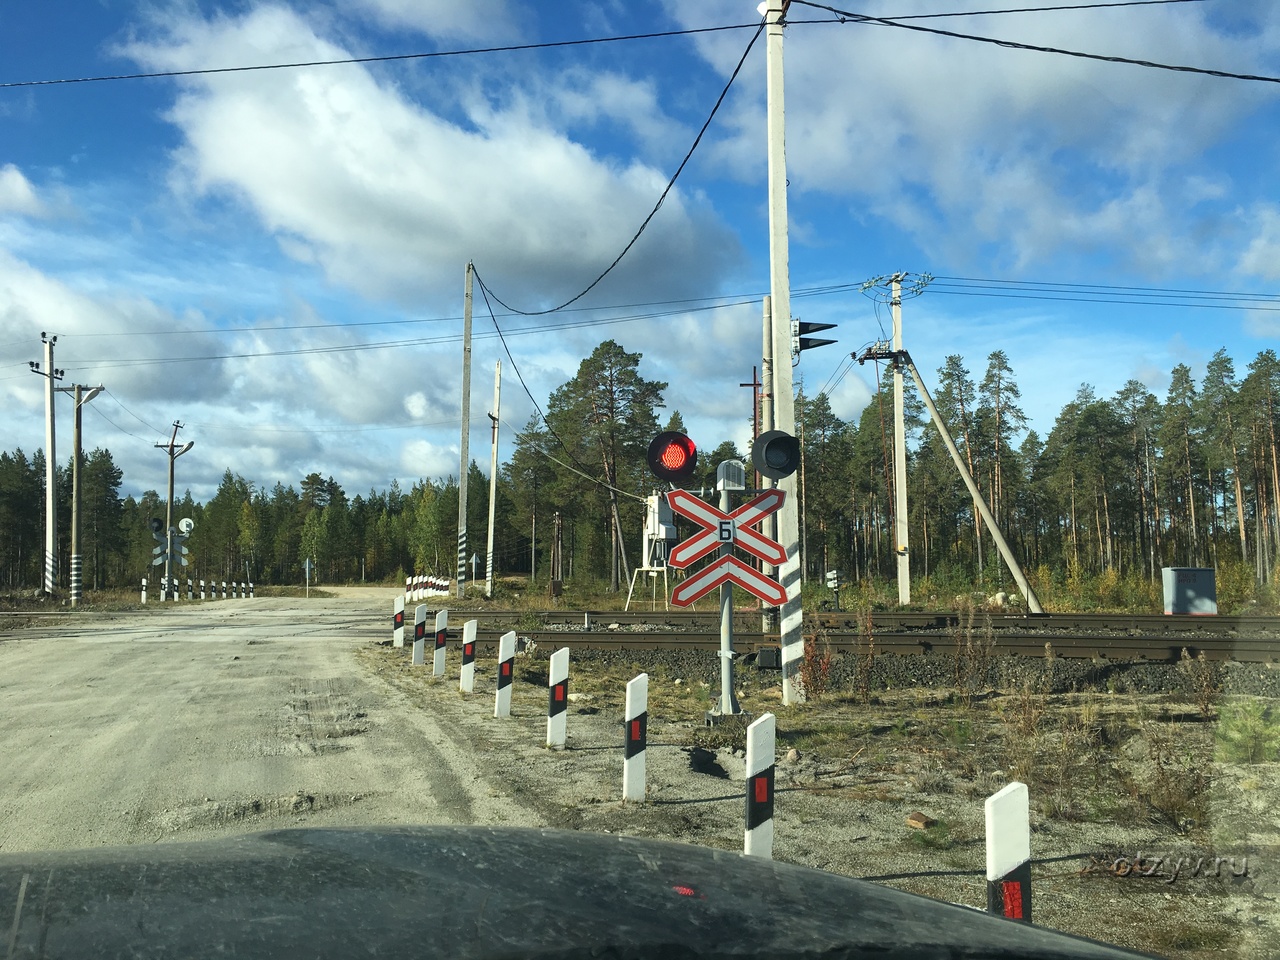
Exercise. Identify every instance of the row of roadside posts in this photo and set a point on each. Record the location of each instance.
(172, 590)
(1008, 822)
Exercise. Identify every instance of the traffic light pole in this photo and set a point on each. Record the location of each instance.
(464, 443)
(784, 413)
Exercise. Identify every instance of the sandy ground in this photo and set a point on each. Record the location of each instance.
(202, 720)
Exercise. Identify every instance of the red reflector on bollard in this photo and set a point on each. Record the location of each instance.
(1012, 899)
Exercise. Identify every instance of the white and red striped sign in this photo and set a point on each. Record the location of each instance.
(719, 528)
(729, 570)
(467, 677)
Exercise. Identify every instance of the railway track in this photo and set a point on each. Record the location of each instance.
(1250, 639)
(1091, 636)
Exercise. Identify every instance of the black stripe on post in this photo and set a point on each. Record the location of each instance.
(441, 636)
(397, 621)
(760, 798)
(419, 630)
(558, 698)
(1010, 896)
(504, 673)
(637, 735)
(468, 653)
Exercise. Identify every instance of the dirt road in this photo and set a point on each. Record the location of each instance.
(216, 718)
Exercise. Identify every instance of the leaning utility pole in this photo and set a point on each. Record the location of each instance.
(50, 375)
(168, 515)
(464, 444)
(493, 477)
(76, 457)
(784, 415)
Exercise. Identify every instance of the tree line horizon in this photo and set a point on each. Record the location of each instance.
(1119, 488)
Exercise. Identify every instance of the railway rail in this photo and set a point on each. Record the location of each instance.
(1250, 639)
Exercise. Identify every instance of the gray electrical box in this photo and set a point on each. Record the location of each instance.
(1190, 590)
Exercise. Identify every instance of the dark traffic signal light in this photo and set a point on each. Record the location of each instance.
(776, 454)
(673, 457)
(801, 342)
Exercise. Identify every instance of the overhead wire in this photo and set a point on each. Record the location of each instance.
(429, 55)
(661, 198)
(846, 16)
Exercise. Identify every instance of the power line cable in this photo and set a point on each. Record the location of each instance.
(436, 54)
(846, 16)
(656, 207)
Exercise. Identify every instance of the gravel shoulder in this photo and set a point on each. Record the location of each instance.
(861, 765)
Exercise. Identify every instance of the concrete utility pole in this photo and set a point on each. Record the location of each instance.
(50, 375)
(464, 444)
(784, 415)
(901, 528)
(493, 477)
(174, 454)
(80, 399)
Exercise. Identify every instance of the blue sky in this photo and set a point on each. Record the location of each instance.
(255, 219)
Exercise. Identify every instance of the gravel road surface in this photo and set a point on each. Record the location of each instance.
(218, 718)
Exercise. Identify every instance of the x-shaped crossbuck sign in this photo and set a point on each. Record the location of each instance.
(719, 528)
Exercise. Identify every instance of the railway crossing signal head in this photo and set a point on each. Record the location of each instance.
(673, 457)
(799, 340)
(776, 454)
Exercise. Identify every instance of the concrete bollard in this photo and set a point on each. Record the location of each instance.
(190, 595)
(397, 623)
(467, 677)
(442, 635)
(419, 635)
(224, 589)
(637, 734)
(506, 674)
(201, 589)
(557, 698)
(1009, 853)
(759, 836)
(144, 591)
(251, 590)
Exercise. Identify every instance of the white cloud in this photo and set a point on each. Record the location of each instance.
(17, 195)
(390, 199)
(450, 19)
(966, 144)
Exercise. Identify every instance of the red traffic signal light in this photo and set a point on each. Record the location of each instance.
(673, 457)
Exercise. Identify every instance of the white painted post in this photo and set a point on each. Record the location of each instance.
(636, 723)
(759, 836)
(250, 591)
(420, 635)
(189, 593)
(467, 678)
(442, 634)
(506, 673)
(201, 589)
(397, 623)
(557, 698)
(224, 589)
(1009, 853)
(144, 591)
